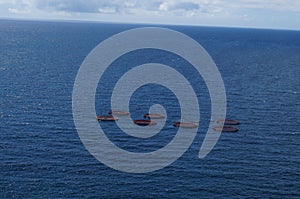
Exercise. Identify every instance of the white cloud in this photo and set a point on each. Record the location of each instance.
(207, 12)
(107, 10)
(175, 5)
(125, 6)
(18, 11)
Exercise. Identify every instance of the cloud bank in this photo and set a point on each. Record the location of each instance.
(265, 13)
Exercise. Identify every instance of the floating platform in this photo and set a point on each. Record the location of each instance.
(118, 113)
(107, 118)
(185, 124)
(226, 129)
(144, 122)
(154, 116)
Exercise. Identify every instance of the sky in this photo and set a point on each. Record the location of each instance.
(275, 14)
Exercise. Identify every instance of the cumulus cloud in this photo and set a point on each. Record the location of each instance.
(173, 5)
(155, 7)
(128, 6)
(21, 6)
(195, 10)
(72, 6)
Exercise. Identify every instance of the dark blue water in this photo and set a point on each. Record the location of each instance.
(41, 152)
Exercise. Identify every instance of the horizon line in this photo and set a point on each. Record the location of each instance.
(144, 23)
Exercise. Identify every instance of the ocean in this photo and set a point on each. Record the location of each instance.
(42, 155)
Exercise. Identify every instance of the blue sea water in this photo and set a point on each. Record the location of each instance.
(42, 155)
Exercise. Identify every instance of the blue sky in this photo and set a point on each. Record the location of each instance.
(279, 14)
